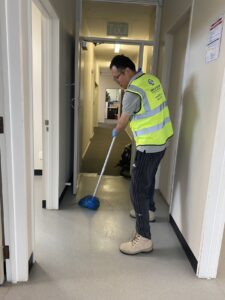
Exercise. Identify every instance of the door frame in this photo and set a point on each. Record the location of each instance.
(141, 44)
(16, 138)
(78, 40)
(18, 179)
(2, 243)
(76, 99)
(2, 165)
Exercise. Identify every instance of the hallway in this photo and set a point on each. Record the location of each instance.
(77, 253)
(98, 149)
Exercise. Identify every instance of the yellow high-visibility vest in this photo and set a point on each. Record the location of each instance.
(151, 125)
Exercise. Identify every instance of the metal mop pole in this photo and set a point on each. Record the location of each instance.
(103, 168)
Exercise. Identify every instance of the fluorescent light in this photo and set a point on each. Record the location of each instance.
(117, 48)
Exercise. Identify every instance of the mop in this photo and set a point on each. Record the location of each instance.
(92, 202)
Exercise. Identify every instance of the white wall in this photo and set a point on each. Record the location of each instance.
(200, 110)
(66, 13)
(37, 86)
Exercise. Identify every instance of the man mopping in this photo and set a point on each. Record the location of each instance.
(145, 108)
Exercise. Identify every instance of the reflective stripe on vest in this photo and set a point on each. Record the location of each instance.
(148, 111)
(151, 129)
(143, 95)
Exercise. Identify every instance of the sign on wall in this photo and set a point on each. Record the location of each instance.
(214, 40)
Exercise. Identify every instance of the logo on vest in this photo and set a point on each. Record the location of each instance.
(150, 81)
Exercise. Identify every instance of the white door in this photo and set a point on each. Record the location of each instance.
(1, 200)
(179, 37)
(50, 102)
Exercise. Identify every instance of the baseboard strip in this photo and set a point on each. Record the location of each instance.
(30, 262)
(187, 249)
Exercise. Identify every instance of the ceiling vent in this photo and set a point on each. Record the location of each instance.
(117, 29)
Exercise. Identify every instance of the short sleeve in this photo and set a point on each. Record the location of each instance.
(131, 103)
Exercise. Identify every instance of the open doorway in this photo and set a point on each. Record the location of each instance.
(95, 60)
(112, 104)
(100, 40)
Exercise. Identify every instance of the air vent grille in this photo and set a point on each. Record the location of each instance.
(117, 29)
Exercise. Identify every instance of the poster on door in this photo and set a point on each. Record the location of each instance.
(214, 40)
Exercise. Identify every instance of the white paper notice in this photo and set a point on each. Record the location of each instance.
(214, 39)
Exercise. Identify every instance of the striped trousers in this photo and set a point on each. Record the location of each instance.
(142, 188)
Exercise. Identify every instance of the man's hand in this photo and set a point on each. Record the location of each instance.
(114, 133)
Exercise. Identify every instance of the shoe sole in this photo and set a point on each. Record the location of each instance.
(134, 253)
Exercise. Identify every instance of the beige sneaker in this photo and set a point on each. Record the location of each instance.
(151, 215)
(137, 245)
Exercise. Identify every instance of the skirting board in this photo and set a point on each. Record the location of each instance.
(187, 249)
(30, 262)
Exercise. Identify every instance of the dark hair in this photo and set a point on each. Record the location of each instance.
(122, 62)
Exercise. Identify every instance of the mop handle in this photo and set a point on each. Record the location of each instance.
(103, 168)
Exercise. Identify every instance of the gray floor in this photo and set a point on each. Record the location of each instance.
(77, 253)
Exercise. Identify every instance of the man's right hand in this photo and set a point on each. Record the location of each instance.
(114, 133)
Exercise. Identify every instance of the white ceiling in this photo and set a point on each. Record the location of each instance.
(96, 15)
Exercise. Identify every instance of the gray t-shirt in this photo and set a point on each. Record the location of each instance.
(131, 105)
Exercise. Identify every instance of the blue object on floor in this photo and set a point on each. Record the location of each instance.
(90, 202)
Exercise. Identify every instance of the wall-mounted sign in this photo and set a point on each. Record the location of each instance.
(214, 40)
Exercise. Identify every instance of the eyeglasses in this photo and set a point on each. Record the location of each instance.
(117, 76)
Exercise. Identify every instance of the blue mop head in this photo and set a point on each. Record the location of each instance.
(90, 202)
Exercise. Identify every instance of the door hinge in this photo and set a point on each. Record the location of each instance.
(6, 252)
(1, 125)
(43, 203)
(46, 125)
